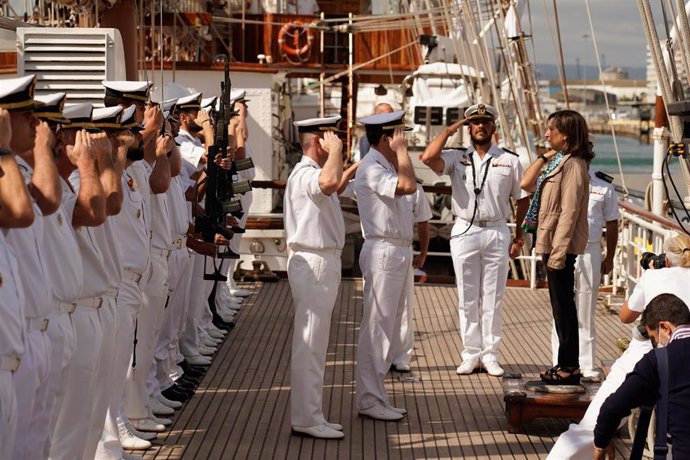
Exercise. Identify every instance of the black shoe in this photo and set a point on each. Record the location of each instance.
(189, 379)
(220, 324)
(186, 387)
(193, 373)
(174, 395)
(192, 370)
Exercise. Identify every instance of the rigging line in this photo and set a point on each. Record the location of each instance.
(606, 97)
(676, 86)
(564, 78)
(561, 70)
(684, 33)
(454, 40)
(472, 52)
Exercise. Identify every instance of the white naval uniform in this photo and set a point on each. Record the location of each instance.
(421, 212)
(131, 227)
(12, 336)
(155, 293)
(61, 252)
(176, 310)
(386, 263)
(315, 233)
(74, 418)
(602, 208)
(480, 255)
(33, 373)
(578, 441)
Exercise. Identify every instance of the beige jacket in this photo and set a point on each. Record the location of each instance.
(562, 227)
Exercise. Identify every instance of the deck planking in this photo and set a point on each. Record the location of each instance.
(242, 408)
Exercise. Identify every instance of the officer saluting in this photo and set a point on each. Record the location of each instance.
(483, 178)
(384, 176)
(315, 232)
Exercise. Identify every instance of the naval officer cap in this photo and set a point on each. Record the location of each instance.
(51, 108)
(209, 103)
(18, 93)
(169, 110)
(128, 118)
(317, 125)
(385, 122)
(78, 115)
(129, 91)
(191, 102)
(108, 118)
(481, 112)
(238, 95)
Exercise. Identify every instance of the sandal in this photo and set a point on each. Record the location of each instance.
(558, 375)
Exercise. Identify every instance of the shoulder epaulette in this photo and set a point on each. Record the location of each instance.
(23, 168)
(420, 181)
(509, 151)
(604, 176)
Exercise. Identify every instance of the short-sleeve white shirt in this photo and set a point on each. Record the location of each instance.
(191, 148)
(503, 175)
(383, 213)
(131, 224)
(672, 280)
(421, 211)
(603, 206)
(312, 219)
(12, 326)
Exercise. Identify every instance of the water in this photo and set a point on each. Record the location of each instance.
(636, 157)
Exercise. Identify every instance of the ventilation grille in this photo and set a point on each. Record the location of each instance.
(74, 61)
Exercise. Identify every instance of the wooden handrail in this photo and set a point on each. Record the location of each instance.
(649, 215)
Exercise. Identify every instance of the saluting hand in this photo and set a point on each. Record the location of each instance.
(331, 143)
(153, 116)
(45, 137)
(125, 139)
(163, 145)
(100, 146)
(399, 140)
(5, 129)
(202, 117)
(452, 129)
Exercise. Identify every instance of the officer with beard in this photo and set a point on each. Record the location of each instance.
(483, 178)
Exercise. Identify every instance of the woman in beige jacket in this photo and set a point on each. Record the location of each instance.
(558, 214)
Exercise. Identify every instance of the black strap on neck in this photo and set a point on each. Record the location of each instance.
(477, 191)
(660, 445)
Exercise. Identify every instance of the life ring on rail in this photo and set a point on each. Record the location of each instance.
(295, 29)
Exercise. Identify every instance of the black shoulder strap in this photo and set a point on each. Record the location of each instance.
(640, 440)
(660, 446)
(510, 151)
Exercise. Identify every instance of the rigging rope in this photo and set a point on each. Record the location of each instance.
(606, 97)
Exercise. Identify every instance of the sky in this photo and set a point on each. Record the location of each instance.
(617, 27)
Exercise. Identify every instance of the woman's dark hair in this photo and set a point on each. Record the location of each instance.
(665, 307)
(574, 128)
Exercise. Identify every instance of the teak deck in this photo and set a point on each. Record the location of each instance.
(242, 408)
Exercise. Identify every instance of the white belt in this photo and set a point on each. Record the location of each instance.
(483, 223)
(162, 252)
(396, 241)
(37, 324)
(181, 243)
(90, 302)
(68, 307)
(298, 248)
(132, 276)
(9, 363)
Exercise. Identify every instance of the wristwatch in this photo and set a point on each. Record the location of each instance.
(543, 158)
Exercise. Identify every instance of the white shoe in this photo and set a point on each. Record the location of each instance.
(207, 351)
(226, 317)
(129, 441)
(493, 369)
(233, 307)
(145, 424)
(334, 426)
(239, 292)
(380, 412)
(146, 435)
(198, 360)
(399, 410)
(402, 367)
(214, 334)
(467, 367)
(208, 342)
(161, 420)
(158, 408)
(318, 431)
(169, 403)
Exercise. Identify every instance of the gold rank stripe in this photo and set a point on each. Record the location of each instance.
(135, 96)
(17, 105)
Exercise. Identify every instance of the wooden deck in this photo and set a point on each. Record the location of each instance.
(242, 408)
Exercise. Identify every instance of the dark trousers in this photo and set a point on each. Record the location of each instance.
(562, 294)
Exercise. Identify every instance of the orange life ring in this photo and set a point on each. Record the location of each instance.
(295, 29)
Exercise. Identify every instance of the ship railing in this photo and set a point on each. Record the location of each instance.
(639, 231)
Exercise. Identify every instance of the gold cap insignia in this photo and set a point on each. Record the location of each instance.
(481, 110)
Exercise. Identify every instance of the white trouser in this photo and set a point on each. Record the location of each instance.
(480, 260)
(129, 300)
(403, 353)
(587, 279)
(30, 380)
(385, 268)
(577, 443)
(314, 281)
(103, 381)
(246, 201)
(8, 413)
(78, 387)
(175, 315)
(149, 322)
(63, 343)
(189, 340)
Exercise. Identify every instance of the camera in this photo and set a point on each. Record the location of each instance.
(656, 261)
